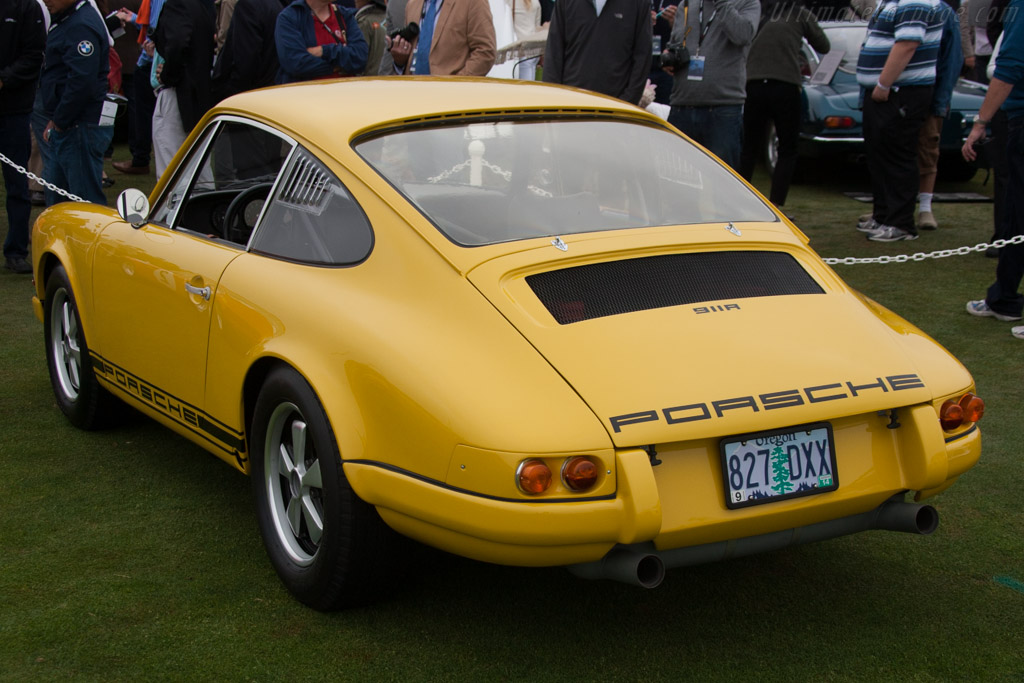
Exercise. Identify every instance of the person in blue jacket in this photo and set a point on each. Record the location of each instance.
(1003, 301)
(73, 89)
(318, 39)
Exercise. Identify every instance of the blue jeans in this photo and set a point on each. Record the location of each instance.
(75, 162)
(719, 128)
(16, 146)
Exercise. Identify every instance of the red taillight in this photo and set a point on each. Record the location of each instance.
(579, 473)
(838, 122)
(533, 477)
(953, 414)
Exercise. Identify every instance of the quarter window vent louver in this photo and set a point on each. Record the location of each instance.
(602, 289)
(307, 187)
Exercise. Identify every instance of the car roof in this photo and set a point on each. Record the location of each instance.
(343, 108)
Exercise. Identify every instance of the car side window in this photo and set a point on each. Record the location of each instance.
(313, 219)
(223, 186)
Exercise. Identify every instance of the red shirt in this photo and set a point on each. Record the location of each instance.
(329, 33)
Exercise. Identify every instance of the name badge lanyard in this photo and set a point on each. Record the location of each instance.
(341, 36)
(704, 29)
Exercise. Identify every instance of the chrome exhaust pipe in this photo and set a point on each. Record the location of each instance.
(627, 566)
(912, 518)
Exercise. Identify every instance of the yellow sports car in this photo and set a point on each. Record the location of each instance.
(521, 323)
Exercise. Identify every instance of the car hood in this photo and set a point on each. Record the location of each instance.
(723, 365)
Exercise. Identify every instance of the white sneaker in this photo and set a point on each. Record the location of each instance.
(869, 226)
(890, 233)
(980, 308)
(1018, 331)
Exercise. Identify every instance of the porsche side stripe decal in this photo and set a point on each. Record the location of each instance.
(185, 414)
(475, 494)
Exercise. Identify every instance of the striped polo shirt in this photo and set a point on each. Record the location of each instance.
(899, 20)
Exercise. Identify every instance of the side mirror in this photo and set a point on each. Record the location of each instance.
(133, 206)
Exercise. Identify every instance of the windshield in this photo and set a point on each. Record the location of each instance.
(482, 183)
(848, 38)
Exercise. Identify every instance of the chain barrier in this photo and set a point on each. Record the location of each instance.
(846, 261)
(32, 176)
(924, 256)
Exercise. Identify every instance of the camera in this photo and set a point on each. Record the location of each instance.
(408, 33)
(675, 56)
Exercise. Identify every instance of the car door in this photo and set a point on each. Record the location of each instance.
(156, 284)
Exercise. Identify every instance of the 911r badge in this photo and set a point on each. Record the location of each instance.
(559, 244)
(85, 48)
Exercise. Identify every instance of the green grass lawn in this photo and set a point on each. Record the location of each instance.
(133, 554)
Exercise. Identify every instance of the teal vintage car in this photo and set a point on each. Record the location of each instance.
(830, 123)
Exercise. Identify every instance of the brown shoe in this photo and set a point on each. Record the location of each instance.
(126, 167)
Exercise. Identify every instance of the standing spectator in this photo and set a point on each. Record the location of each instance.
(456, 39)
(600, 45)
(394, 20)
(141, 141)
(128, 49)
(664, 13)
(773, 88)
(709, 91)
(225, 9)
(248, 59)
(1003, 300)
(370, 16)
(527, 24)
(947, 70)
(184, 39)
(318, 39)
(22, 41)
(896, 70)
(73, 89)
(978, 15)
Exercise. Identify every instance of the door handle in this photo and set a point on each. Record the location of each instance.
(198, 291)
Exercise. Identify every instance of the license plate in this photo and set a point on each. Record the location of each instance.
(784, 463)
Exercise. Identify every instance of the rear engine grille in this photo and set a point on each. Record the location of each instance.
(597, 290)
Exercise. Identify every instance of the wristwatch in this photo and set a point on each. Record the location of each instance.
(984, 122)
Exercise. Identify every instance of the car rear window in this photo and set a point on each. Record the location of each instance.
(497, 181)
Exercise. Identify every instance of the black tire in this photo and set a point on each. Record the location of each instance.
(80, 397)
(327, 545)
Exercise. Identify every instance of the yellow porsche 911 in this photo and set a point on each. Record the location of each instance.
(518, 322)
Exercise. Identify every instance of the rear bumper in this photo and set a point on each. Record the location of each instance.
(677, 507)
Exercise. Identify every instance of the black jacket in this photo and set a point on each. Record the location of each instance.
(74, 84)
(22, 41)
(609, 54)
(248, 59)
(184, 37)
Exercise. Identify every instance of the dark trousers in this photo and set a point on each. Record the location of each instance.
(718, 127)
(776, 102)
(1003, 296)
(890, 140)
(140, 137)
(16, 145)
(996, 150)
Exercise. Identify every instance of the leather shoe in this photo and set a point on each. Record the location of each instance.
(19, 265)
(126, 167)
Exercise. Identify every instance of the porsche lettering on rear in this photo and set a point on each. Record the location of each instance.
(788, 398)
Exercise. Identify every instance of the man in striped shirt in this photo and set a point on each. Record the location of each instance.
(896, 70)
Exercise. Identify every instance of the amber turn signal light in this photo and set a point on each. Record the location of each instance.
(973, 407)
(533, 477)
(579, 473)
(952, 414)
